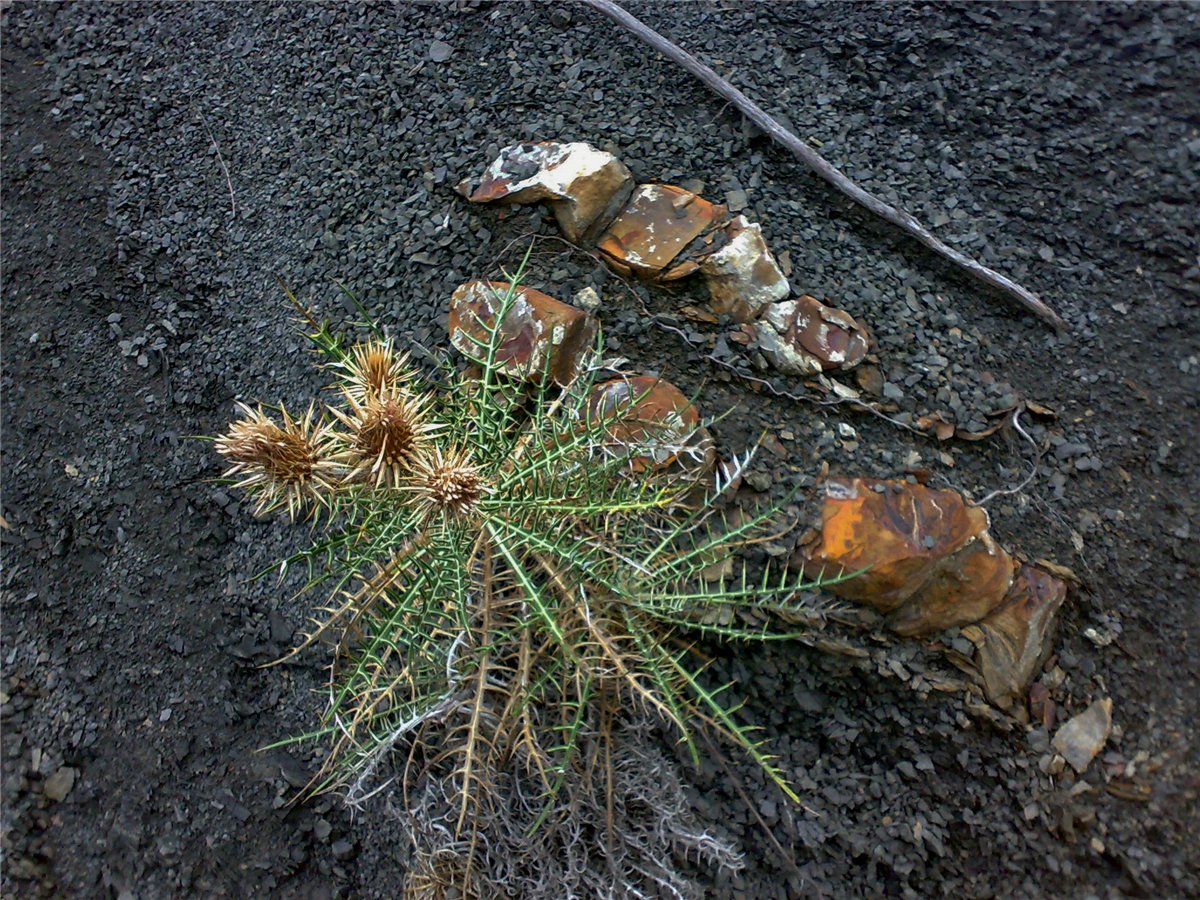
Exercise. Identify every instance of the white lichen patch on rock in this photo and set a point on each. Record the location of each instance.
(743, 276)
(584, 186)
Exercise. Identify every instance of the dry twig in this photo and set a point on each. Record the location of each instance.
(221, 160)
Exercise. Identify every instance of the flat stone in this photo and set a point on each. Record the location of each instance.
(59, 784)
(538, 334)
(924, 557)
(653, 423)
(1085, 735)
(663, 233)
(1016, 635)
(963, 588)
(884, 533)
(736, 200)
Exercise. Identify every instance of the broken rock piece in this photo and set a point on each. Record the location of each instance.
(585, 187)
(806, 337)
(963, 588)
(742, 275)
(1085, 735)
(925, 556)
(538, 334)
(897, 532)
(1016, 636)
(662, 233)
(651, 422)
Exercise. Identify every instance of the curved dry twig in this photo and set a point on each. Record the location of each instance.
(826, 170)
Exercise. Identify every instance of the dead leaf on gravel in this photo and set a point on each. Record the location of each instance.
(698, 315)
(1085, 735)
(935, 424)
(1040, 410)
(1064, 572)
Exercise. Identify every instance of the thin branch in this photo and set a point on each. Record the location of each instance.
(221, 160)
(785, 138)
(788, 860)
(1037, 460)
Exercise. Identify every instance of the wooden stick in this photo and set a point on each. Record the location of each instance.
(823, 168)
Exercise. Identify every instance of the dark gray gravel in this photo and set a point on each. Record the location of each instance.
(163, 164)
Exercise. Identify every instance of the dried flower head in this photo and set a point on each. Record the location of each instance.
(374, 370)
(287, 465)
(446, 482)
(387, 435)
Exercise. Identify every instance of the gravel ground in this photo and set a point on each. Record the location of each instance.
(163, 164)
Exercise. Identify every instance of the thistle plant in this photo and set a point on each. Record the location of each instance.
(507, 589)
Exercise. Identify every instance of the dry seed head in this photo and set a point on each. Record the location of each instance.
(287, 465)
(447, 482)
(374, 370)
(387, 435)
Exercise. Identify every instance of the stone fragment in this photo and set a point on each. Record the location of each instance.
(927, 562)
(537, 335)
(805, 337)
(963, 588)
(896, 531)
(653, 423)
(742, 275)
(1085, 735)
(58, 785)
(925, 557)
(1016, 635)
(585, 187)
(662, 233)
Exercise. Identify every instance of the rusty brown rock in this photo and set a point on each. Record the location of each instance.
(1016, 636)
(653, 423)
(538, 334)
(663, 233)
(805, 337)
(898, 532)
(963, 588)
(585, 187)
(742, 275)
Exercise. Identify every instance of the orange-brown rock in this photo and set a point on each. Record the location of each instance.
(538, 334)
(663, 232)
(897, 532)
(925, 556)
(585, 187)
(1016, 635)
(962, 588)
(651, 422)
